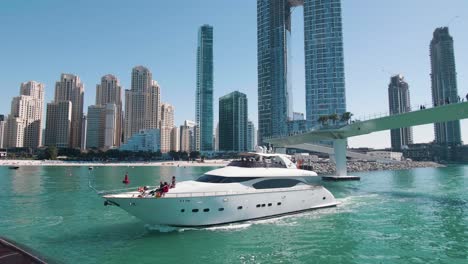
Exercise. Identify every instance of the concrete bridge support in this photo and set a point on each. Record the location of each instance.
(339, 146)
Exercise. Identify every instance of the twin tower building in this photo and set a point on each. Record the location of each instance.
(324, 63)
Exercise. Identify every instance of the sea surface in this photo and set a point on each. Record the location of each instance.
(408, 216)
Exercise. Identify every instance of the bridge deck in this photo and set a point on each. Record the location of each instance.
(445, 113)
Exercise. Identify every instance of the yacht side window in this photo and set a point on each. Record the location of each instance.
(276, 183)
(220, 179)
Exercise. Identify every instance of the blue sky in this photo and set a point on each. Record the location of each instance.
(41, 39)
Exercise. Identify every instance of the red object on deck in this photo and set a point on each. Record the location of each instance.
(126, 180)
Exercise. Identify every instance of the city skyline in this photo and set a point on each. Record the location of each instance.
(358, 102)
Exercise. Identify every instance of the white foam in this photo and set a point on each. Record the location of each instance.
(229, 227)
(162, 228)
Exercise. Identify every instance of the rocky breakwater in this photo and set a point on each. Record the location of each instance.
(328, 168)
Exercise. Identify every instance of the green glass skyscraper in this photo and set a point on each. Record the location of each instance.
(233, 122)
(204, 94)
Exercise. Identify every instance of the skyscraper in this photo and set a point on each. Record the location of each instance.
(58, 124)
(251, 136)
(110, 92)
(233, 122)
(324, 63)
(113, 118)
(142, 103)
(2, 131)
(399, 102)
(444, 84)
(95, 131)
(204, 93)
(70, 88)
(175, 143)
(24, 123)
(167, 124)
(187, 136)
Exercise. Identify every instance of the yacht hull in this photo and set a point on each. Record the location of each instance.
(222, 209)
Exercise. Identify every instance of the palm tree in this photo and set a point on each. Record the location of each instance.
(333, 117)
(346, 117)
(323, 119)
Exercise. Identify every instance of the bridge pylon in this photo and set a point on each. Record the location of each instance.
(339, 147)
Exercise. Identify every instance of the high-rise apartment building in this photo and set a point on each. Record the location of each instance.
(2, 131)
(84, 129)
(444, 84)
(25, 120)
(95, 131)
(15, 132)
(58, 124)
(324, 63)
(175, 143)
(167, 124)
(113, 119)
(216, 143)
(70, 88)
(204, 92)
(33, 130)
(399, 102)
(142, 103)
(251, 136)
(233, 122)
(110, 92)
(187, 136)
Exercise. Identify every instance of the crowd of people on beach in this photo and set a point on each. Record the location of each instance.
(164, 188)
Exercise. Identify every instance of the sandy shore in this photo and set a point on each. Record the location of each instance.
(20, 163)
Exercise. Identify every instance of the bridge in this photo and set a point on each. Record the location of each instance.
(443, 113)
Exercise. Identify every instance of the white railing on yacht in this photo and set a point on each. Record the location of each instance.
(133, 193)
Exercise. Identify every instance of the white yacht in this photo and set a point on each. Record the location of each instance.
(256, 186)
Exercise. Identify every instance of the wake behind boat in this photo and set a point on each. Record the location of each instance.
(257, 186)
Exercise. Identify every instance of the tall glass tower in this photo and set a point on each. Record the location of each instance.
(444, 84)
(233, 122)
(274, 89)
(399, 102)
(204, 94)
(324, 63)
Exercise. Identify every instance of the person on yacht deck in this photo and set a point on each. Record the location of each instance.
(165, 189)
(159, 190)
(173, 183)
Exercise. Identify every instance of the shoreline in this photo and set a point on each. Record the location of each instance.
(31, 163)
(327, 168)
(321, 168)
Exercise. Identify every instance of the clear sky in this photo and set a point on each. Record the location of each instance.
(90, 38)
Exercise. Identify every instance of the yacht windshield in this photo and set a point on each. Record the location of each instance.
(220, 179)
(258, 163)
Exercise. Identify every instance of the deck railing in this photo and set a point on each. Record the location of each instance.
(216, 193)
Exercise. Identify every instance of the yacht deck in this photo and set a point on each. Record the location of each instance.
(212, 193)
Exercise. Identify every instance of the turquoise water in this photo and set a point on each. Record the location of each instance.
(412, 216)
